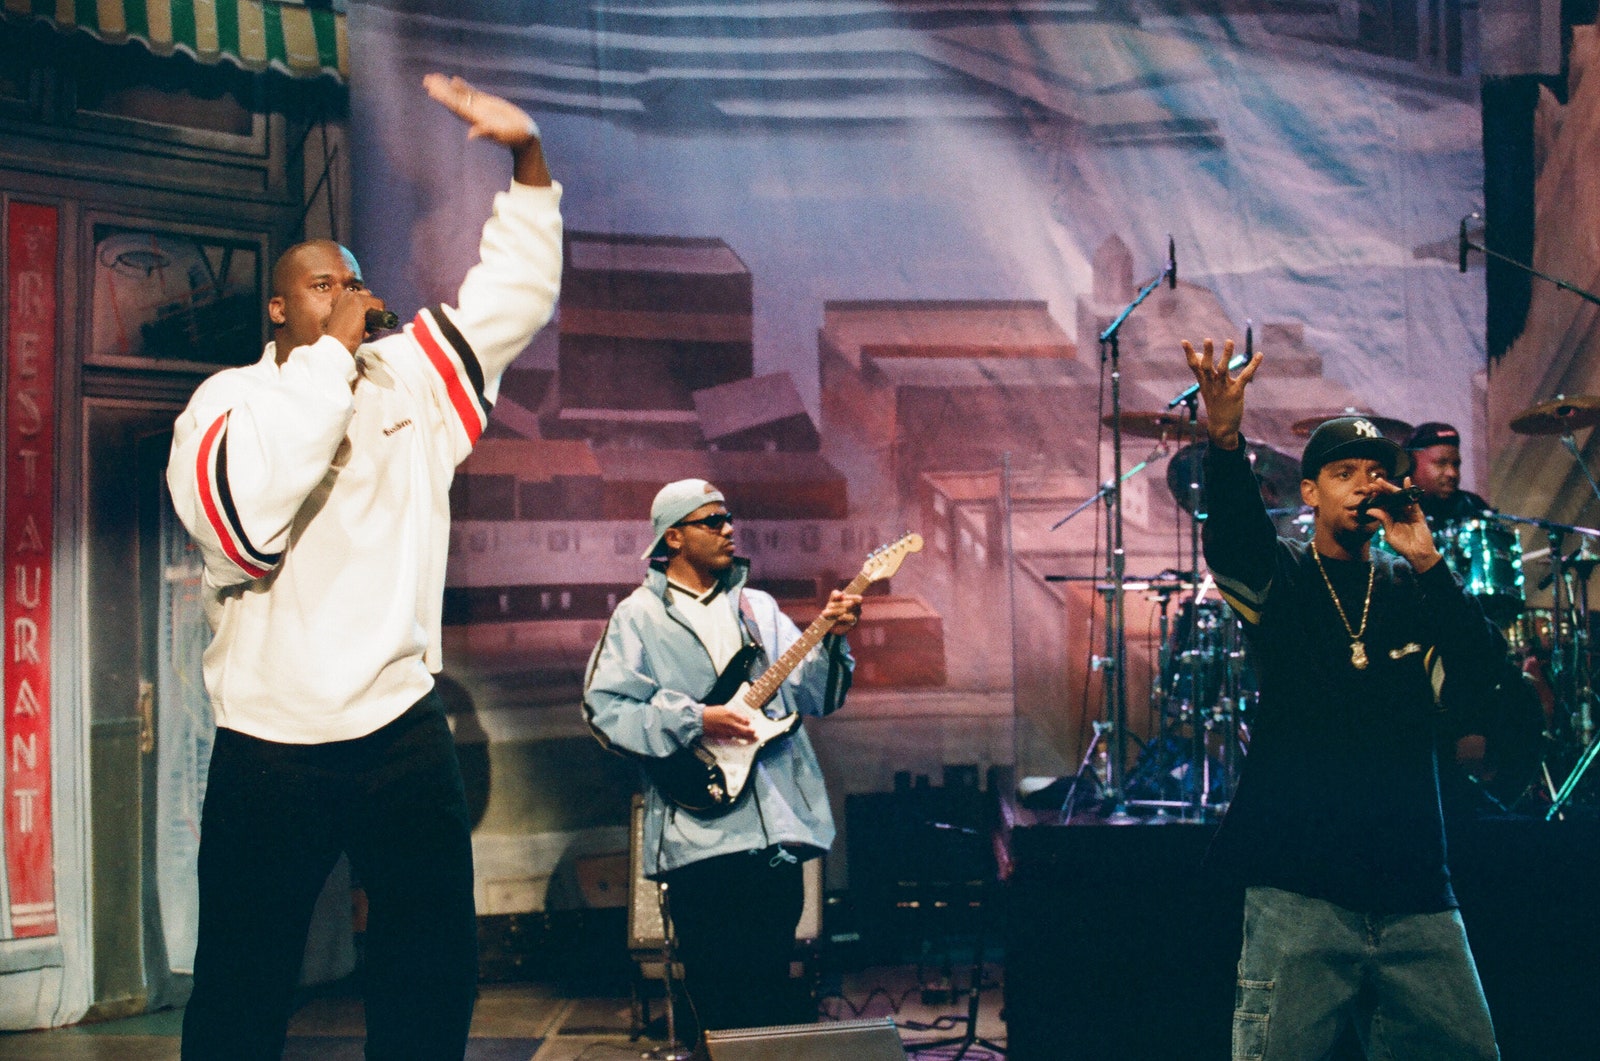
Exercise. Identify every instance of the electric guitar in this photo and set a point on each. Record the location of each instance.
(708, 776)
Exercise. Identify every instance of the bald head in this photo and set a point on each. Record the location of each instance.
(290, 259)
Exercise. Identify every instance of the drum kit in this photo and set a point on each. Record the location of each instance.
(1203, 689)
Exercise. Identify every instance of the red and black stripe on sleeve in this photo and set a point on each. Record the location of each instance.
(451, 356)
(216, 499)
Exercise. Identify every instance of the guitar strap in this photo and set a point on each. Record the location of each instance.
(749, 614)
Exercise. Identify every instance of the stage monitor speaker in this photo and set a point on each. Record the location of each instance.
(847, 1040)
(645, 930)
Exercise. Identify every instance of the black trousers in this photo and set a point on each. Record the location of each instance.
(734, 917)
(276, 818)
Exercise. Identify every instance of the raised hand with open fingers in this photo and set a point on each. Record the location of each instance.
(1221, 393)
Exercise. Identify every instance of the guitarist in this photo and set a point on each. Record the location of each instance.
(733, 876)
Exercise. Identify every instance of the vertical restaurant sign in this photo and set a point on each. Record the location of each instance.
(30, 395)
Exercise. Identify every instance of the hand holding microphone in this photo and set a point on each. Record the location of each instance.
(357, 313)
(1394, 504)
(1404, 526)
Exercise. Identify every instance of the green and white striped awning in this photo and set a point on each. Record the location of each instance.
(256, 34)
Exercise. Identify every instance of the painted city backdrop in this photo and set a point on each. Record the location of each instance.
(850, 261)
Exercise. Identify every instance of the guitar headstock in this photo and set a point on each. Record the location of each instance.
(885, 560)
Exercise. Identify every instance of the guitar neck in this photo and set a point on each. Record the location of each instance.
(765, 687)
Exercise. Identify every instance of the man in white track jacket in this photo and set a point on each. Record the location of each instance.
(316, 483)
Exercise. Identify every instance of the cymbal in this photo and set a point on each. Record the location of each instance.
(1277, 472)
(1165, 424)
(1559, 415)
(1392, 428)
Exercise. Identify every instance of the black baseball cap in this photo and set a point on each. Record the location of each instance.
(1352, 436)
(1433, 433)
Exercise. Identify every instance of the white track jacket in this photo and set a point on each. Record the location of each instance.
(318, 492)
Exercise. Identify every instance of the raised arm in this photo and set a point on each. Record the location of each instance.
(1239, 536)
(511, 293)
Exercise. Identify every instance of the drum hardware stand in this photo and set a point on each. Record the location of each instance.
(1584, 720)
(1159, 699)
(1113, 786)
(1581, 679)
(1197, 725)
(1085, 770)
(1570, 653)
(1572, 447)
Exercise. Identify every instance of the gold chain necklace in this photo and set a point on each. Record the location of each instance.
(1358, 651)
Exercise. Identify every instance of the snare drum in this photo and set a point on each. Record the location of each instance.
(1487, 557)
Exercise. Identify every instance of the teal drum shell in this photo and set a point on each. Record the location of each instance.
(1487, 557)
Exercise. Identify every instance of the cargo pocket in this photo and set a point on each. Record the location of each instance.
(1252, 1006)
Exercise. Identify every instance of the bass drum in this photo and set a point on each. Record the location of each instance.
(1206, 660)
(1205, 694)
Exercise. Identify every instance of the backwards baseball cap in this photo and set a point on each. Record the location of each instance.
(1433, 433)
(1352, 436)
(673, 502)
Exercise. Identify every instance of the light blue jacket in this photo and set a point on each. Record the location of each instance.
(639, 697)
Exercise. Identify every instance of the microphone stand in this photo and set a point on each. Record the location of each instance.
(1467, 244)
(1116, 679)
(1108, 486)
(1199, 714)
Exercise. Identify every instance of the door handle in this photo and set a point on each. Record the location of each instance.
(147, 717)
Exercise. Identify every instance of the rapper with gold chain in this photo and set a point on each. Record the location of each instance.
(1335, 825)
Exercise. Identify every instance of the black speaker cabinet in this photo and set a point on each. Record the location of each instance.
(846, 1040)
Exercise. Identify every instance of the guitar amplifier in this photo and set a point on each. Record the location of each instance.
(849, 1040)
(646, 934)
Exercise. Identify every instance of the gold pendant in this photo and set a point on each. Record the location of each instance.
(1358, 655)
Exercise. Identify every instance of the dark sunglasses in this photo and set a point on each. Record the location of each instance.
(714, 522)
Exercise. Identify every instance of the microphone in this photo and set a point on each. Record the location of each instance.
(380, 320)
(1172, 266)
(1249, 340)
(1394, 504)
(1238, 362)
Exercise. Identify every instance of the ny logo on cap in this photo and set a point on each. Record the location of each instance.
(1365, 429)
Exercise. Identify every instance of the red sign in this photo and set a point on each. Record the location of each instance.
(30, 443)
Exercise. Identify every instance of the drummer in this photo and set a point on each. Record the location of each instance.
(1435, 450)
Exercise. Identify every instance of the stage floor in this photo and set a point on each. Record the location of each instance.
(524, 1022)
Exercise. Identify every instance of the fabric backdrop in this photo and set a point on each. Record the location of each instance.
(852, 258)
